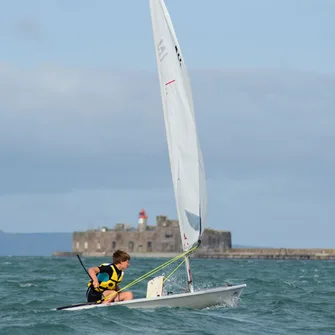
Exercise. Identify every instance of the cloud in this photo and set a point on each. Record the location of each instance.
(28, 29)
(263, 121)
(77, 127)
(74, 111)
(267, 138)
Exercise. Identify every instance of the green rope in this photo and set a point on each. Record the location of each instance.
(181, 263)
(157, 269)
(151, 272)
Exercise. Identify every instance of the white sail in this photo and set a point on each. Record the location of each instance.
(184, 151)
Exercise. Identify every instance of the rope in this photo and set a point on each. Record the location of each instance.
(181, 263)
(151, 272)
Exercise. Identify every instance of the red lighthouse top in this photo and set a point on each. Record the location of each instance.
(143, 214)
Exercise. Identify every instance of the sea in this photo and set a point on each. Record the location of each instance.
(282, 297)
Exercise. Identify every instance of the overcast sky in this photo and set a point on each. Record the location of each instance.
(82, 140)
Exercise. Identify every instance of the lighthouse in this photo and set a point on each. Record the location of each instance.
(142, 221)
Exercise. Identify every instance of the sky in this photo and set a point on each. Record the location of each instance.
(82, 140)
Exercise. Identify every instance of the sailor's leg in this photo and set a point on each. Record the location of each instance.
(109, 296)
(122, 296)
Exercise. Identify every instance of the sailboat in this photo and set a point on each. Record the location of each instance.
(187, 169)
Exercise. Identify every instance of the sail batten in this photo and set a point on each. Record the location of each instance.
(186, 162)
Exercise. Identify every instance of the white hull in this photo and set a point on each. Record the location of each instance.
(227, 295)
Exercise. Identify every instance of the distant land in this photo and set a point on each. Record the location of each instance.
(39, 244)
(34, 244)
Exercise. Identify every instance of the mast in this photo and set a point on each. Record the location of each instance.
(189, 274)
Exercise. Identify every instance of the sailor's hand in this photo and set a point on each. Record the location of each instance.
(95, 283)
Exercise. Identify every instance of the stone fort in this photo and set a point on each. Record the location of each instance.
(164, 237)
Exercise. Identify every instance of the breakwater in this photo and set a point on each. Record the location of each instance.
(270, 253)
(233, 253)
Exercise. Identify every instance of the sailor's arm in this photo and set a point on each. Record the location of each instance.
(93, 274)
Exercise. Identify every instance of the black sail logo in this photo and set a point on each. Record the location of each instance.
(178, 55)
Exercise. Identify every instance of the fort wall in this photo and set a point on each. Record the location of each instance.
(162, 238)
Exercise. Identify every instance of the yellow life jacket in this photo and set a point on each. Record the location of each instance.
(111, 283)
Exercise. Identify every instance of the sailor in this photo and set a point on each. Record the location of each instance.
(106, 278)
